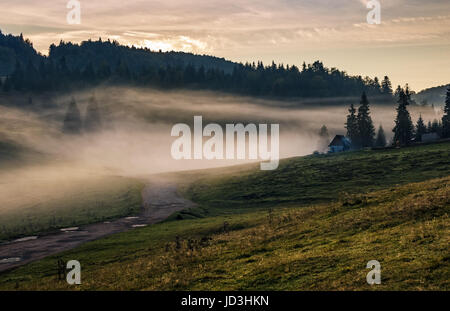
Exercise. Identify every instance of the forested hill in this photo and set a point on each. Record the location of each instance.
(15, 48)
(432, 96)
(90, 63)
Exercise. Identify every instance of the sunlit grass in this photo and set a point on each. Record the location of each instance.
(311, 225)
(324, 246)
(312, 179)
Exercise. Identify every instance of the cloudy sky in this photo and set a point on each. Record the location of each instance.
(412, 43)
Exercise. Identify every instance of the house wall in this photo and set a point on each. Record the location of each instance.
(430, 137)
(336, 148)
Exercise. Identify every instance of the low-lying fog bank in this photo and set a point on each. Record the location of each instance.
(136, 125)
(128, 133)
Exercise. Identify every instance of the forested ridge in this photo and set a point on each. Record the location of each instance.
(70, 66)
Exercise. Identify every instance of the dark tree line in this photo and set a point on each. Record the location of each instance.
(360, 129)
(70, 66)
(440, 127)
(404, 128)
(359, 126)
(446, 117)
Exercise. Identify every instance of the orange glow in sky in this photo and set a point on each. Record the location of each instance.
(411, 45)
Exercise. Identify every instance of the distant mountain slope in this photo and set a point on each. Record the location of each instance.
(371, 212)
(112, 53)
(432, 96)
(13, 49)
(73, 66)
(16, 48)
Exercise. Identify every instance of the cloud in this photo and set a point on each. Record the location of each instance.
(235, 29)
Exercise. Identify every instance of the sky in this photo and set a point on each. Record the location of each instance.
(411, 45)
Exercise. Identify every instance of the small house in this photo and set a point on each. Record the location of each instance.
(430, 137)
(339, 143)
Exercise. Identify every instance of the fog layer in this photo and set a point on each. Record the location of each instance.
(136, 126)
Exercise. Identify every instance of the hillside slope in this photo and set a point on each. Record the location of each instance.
(432, 96)
(321, 240)
(322, 247)
(312, 179)
(74, 66)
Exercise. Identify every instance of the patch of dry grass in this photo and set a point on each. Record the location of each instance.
(321, 247)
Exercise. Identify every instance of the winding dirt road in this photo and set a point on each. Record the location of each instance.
(159, 201)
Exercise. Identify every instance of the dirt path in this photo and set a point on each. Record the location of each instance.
(159, 201)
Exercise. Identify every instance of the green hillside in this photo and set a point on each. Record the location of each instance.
(339, 212)
(313, 179)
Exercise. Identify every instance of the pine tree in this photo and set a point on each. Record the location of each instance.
(440, 129)
(436, 127)
(386, 86)
(352, 126)
(17, 77)
(365, 125)
(420, 129)
(376, 85)
(72, 120)
(88, 73)
(31, 77)
(92, 121)
(122, 70)
(381, 138)
(398, 90)
(324, 132)
(104, 71)
(403, 130)
(324, 139)
(446, 116)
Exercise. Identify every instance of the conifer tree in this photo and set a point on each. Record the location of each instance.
(397, 92)
(436, 127)
(88, 73)
(17, 77)
(365, 125)
(403, 130)
(72, 120)
(92, 120)
(381, 138)
(429, 127)
(324, 138)
(420, 129)
(446, 116)
(386, 86)
(31, 77)
(122, 70)
(352, 126)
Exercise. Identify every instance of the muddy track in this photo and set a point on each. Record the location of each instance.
(160, 200)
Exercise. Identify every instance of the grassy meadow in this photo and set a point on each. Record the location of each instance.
(40, 193)
(311, 179)
(311, 225)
